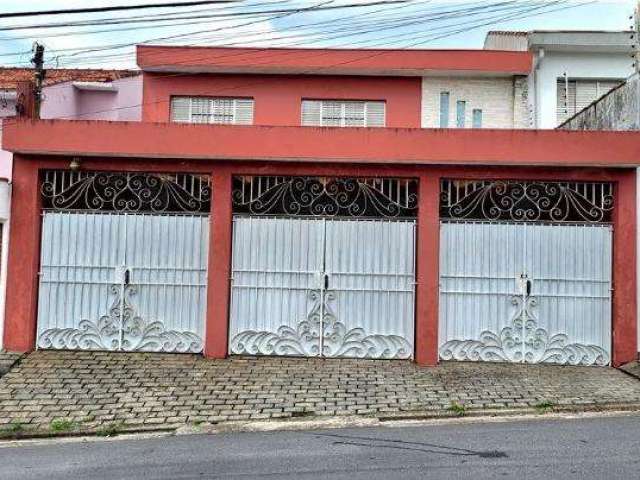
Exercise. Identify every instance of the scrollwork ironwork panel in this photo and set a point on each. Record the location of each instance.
(125, 192)
(325, 196)
(524, 341)
(321, 324)
(526, 201)
(121, 328)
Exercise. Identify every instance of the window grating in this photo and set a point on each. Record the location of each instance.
(125, 192)
(325, 196)
(526, 201)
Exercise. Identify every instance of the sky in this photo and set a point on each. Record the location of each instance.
(301, 23)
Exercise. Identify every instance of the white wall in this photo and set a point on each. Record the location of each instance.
(496, 97)
(577, 65)
(5, 207)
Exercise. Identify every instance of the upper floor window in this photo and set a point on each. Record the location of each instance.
(237, 111)
(575, 94)
(339, 113)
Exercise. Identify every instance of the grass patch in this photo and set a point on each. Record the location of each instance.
(12, 430)
(458, 408)
(543, 407)
(110, 429)
(61, 425)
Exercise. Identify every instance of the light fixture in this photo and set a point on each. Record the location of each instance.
(75, 164)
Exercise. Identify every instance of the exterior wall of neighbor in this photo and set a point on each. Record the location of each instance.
(499, 98)
(278, 97)
(64, 100)
(24, 257)
(618, 110)
(5, 212)
(553, 65)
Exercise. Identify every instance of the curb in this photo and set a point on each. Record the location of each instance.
(324, 422)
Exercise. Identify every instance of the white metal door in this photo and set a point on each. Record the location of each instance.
(330, 287)
(369, 299)
(131, 282)
(525, 292)
(276, 265)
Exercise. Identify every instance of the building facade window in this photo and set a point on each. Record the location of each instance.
(339, 113)
(461, 110)
(444, 109)
(575, 94)
(238, 111)
(477, 118)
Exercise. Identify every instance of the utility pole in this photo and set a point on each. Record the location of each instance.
(39, 74)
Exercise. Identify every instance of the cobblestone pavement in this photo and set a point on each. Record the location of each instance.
(632, 368)
(90, 389)
(7, 360)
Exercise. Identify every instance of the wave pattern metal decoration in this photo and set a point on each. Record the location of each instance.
(325, 196)
(526, 201)
(305, 338)
(121, 329)
(125, 192)
(524, 341)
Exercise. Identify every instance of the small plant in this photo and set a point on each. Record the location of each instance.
(61, 425)
(11, 430)
(109, 430)
(458, 408)
(544, 407)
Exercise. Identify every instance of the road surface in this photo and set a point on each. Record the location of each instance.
(606, 447)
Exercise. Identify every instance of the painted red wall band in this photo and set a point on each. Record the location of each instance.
(329, 146)
(20, 322)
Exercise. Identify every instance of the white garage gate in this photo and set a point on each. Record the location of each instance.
(525, 272)
(323, 267)
(123, 261)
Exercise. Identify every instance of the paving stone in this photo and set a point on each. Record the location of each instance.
(169, 390)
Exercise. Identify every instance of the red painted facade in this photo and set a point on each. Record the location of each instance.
(25, 233)
(331, 61)
(276, 145)
(278, 97)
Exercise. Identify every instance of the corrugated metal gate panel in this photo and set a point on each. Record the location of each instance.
(533, 292)
(276, 263)
(322, 287)
(167, 259)
(478, 266)
(370, 264)
(570, 270)
(87, 300)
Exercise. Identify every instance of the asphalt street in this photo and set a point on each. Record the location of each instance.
(591, 448)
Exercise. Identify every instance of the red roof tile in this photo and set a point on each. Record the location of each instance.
(10, 76)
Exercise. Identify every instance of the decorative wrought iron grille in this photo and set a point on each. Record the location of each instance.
(125, 192)
(526, 201)
(325, 196)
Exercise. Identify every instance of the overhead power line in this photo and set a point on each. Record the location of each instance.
(113, 8)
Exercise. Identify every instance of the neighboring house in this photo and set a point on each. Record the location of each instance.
(290, 202)
(68, 93)
(571, 68)
(618, 110)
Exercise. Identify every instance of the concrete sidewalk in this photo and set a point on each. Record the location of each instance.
(62, 392)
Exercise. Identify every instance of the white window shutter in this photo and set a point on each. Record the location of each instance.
(586, 92)
(375, 114)
(244, 111)
(180, 109)
(311, 110)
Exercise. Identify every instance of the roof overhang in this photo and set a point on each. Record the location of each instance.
(95, 86)
(301, 61)
(581, 41)
(384, 146)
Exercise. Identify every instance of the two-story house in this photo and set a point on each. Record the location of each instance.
(570, 70)
(338, 203)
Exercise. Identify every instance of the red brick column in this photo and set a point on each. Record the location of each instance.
(24, 259)
(427, 271)
(218, 293)
(624, 318)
